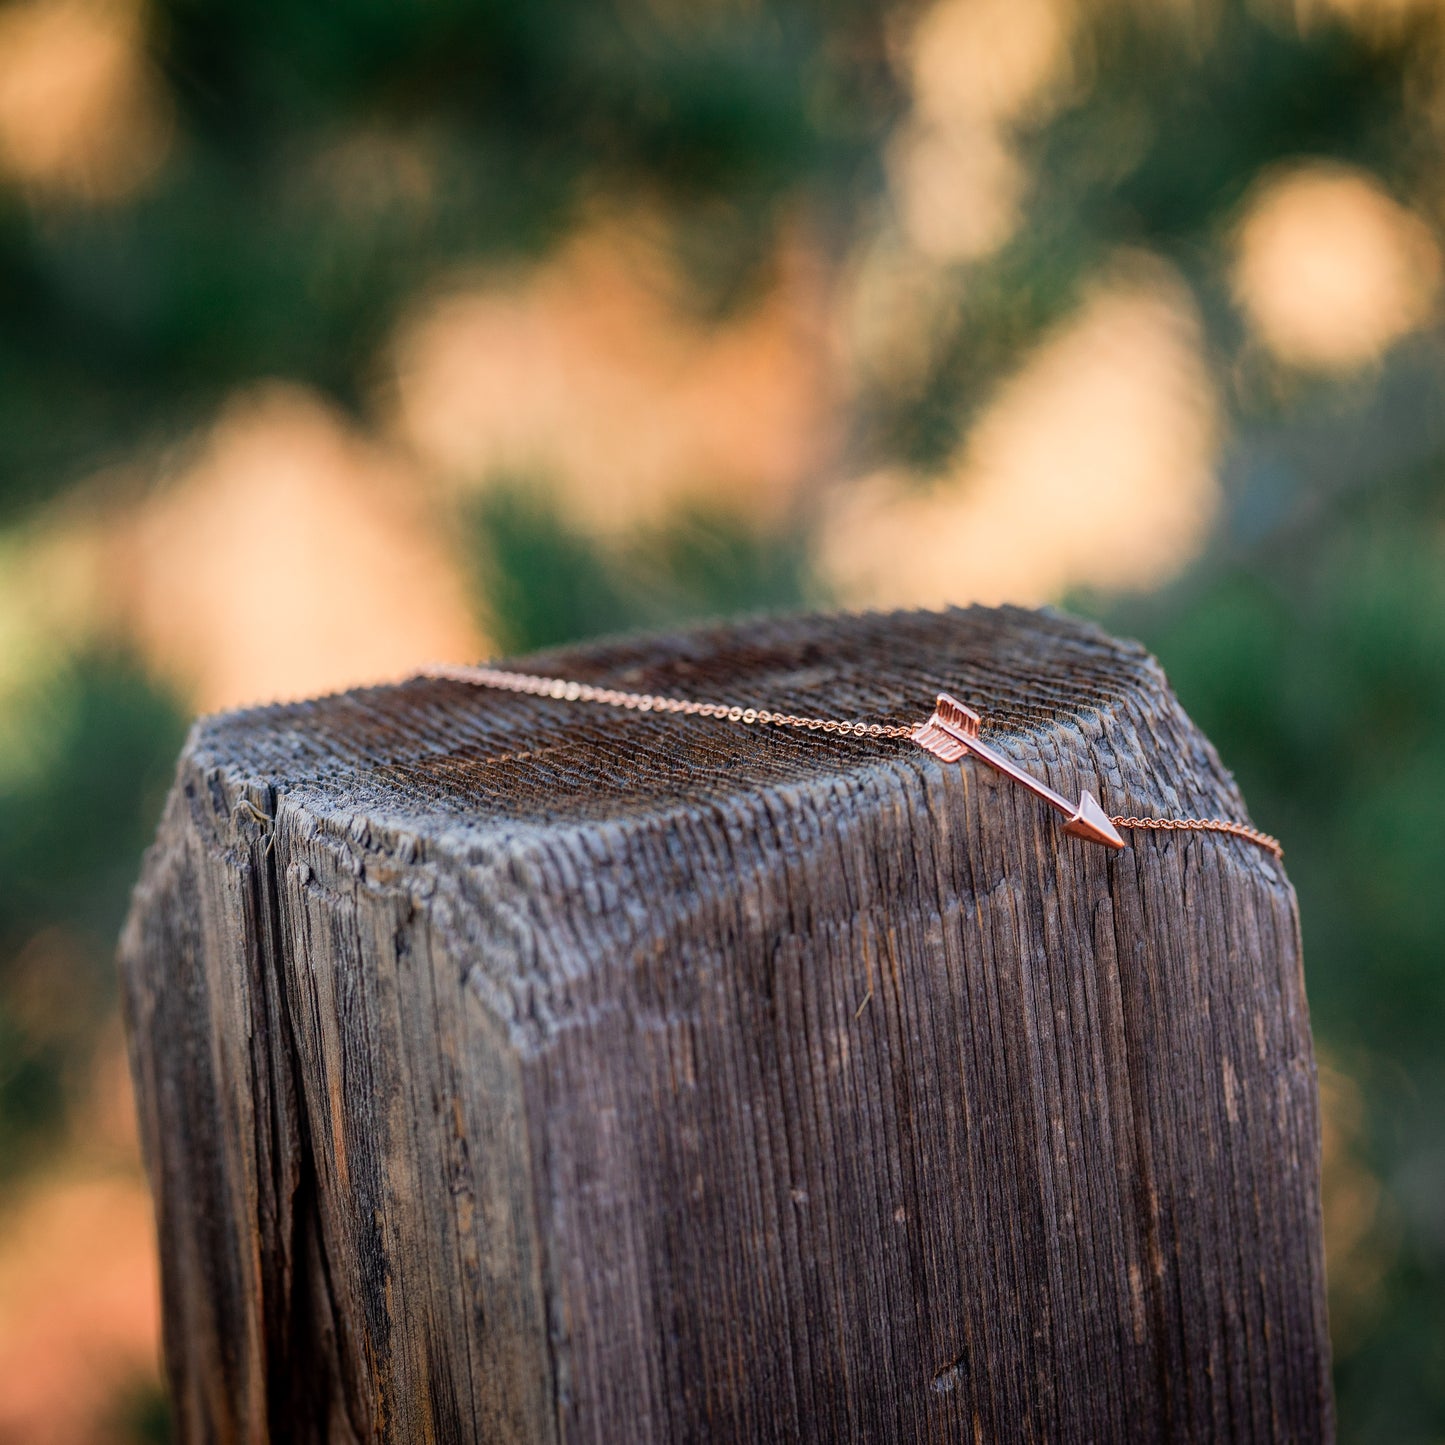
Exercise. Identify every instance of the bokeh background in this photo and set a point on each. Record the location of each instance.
(336, 338)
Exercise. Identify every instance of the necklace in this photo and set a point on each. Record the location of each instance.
(950, 733)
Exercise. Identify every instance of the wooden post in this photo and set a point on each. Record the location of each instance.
(522, 1070)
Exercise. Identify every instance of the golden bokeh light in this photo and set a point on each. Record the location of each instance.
(591, 373)
(957, 190)
(82, 114)
(974, 69)
(896, 308)
(1093, 466)
(79, 1278)
(79, 1307)
(987, 61)
(295, 556)
(1329, 269)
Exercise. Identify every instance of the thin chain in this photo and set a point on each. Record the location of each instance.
(570, 691)
(559, 687)
(1204, 825)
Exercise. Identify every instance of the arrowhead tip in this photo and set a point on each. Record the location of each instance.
(1090, 821)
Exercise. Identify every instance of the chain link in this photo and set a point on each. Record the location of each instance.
(568, 691)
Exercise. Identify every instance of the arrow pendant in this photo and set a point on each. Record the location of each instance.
(952, 731)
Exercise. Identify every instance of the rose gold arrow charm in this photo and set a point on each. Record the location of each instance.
(952, 731)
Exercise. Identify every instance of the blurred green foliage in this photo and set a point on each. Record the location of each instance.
(1185, 109)
(1309, 642)
(74, 817)
(539, 582)
(250, 258)
(1317, 667)
(142, 1416)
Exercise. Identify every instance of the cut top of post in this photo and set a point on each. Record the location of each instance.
(1063, 701)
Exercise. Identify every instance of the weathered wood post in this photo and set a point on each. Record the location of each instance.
(512, 1069)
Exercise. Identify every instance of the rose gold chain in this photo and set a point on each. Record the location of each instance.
(567, 690)
(560, 687)
(1204, 825)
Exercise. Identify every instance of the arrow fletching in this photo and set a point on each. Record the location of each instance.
(934, 735)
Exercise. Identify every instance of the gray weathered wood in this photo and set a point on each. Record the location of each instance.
(544, 1072)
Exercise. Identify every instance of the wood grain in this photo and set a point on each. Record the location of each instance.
(516, 1070)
